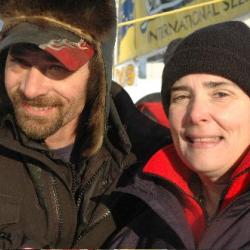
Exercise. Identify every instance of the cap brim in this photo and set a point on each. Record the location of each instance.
(69, 49)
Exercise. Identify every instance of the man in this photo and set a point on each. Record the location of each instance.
(64, 135)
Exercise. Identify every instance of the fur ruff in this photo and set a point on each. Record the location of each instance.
(95, 17)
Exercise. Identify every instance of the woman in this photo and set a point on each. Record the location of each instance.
(198, 189)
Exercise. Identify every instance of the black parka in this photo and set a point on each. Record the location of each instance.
(40, 206)
(45, 202)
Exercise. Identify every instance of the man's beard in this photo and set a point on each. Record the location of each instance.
(34, 126)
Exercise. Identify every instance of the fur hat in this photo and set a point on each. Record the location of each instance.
(222, 49)
(94, 17)
(91, 20)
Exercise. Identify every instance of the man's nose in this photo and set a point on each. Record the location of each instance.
(34, 83)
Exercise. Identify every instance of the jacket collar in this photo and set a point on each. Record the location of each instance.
(167, 165)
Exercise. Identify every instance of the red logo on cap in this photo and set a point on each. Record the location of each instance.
(64, 43)
(72, 55)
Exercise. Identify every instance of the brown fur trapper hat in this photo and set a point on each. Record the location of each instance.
(94, 17)
(40, 21)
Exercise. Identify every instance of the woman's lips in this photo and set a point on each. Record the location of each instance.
(203, 141)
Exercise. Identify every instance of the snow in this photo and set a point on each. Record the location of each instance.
(143, 87)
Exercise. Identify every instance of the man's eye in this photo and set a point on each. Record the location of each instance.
(20, 61)
(57, 72)
(57, 68)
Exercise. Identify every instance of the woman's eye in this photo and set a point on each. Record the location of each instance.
(179, 98)
(221, 94)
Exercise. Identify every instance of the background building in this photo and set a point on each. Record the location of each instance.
(146, 27)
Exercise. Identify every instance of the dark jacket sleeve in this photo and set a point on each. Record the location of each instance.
(146, 136)
(146, 231)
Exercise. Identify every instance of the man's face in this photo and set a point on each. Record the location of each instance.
(46, 97)
(210, 123)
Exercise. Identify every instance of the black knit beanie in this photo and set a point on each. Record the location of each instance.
(222, 49)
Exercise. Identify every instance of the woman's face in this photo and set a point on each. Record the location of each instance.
(210, 123)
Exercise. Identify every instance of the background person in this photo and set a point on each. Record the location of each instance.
(197, 189)
(63, 143)
(151, 104)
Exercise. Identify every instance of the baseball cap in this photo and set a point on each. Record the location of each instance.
(69, 49)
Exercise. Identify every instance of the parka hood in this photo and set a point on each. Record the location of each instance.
(91, 20)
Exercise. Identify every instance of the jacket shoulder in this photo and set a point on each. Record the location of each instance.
(146, 136)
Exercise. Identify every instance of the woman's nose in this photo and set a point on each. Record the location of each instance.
(198, 111)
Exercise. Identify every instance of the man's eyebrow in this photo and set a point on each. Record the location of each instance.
(18, 52)
(52, 59)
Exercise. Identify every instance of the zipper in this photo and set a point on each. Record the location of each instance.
(88, 184)
(201, 201)
(198, 199)
(181, 191)
(105, 215)
(57, 207)
(5, 236)
(74, 182)
(76, 172)
(74, 179)
(54, 199)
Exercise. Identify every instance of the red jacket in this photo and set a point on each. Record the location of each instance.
(155, 111)
(175, 219)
